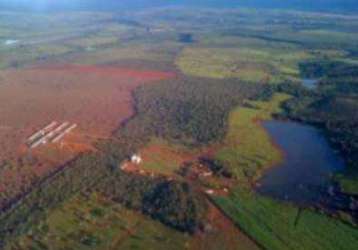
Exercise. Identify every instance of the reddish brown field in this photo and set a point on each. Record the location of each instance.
(221, 234)
(97, 98)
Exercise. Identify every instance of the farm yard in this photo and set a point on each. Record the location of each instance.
(159, 157)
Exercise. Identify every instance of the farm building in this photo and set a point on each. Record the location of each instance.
(136, 159)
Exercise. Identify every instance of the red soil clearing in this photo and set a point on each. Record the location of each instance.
(96, 98)
(223, 235)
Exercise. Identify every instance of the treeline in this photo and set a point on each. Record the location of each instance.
(173, 203)
(328, 68)
(334, 105)
(26, 210)
(190, 111)
(336, 77)
(336, 115)
(333, 111)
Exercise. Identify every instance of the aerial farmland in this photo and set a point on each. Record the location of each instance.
(191, 126)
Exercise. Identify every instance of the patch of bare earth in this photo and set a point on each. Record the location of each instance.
(221, 233)
(96, 98)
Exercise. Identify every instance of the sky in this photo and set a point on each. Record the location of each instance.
(326, 5)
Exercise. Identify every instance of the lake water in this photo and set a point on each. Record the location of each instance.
(10, 42)
(310, 83)
(308, 164)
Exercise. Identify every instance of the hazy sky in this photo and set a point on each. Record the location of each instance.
(332, 5)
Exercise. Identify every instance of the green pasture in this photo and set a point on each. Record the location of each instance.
(96, 223)
(248, 148)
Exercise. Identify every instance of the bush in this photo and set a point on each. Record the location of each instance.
(176, 205)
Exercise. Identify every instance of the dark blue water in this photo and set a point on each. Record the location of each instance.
(308, 164)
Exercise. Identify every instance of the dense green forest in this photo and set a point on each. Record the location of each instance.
(191, 111)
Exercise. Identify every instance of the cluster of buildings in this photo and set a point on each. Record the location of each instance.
(53, 132)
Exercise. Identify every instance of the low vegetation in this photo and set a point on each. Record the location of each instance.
(94, 222)
(245, 63)
(247, 147)
(277, 225)
(161, 157)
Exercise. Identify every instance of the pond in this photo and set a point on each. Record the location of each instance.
(10, 42)
(308, 164)
(186, 38)
(310, 83)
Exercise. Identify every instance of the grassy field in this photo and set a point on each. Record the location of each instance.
(96, 223)
(150, 53)
(276, 225)
(18, 56)
(40, 36)
(247, 147)
(249, 44)
(161, 157)
(258, 45)
(349, 184)
(245, 63)
(93, 42)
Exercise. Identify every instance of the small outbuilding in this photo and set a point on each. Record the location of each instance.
(136, 159)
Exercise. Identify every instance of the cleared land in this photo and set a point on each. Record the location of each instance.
(96, 98)
(159, 157)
